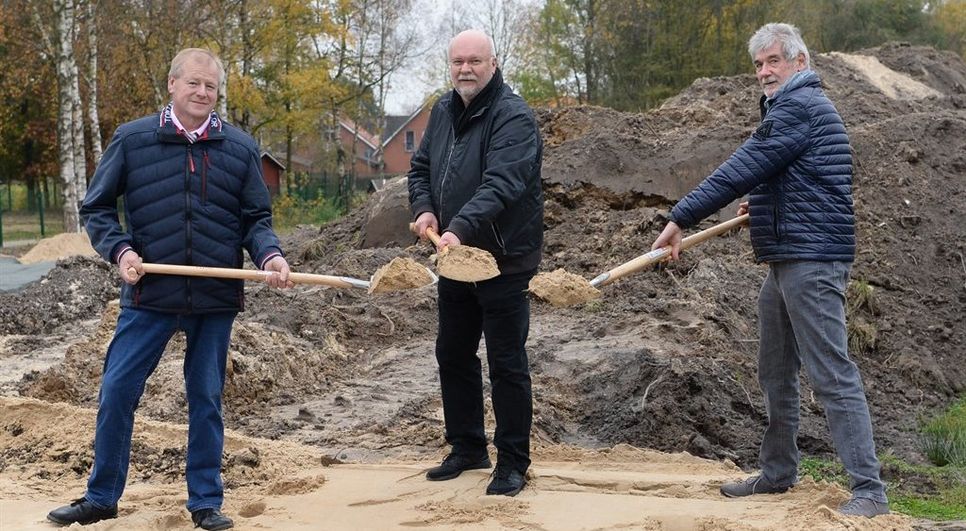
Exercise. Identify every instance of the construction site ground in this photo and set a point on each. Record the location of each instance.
(645, 399)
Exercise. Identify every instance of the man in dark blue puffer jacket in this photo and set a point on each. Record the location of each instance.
(193, 195)
(797, 170)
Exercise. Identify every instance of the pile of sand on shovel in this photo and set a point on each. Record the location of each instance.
(466, 264)
(400, 274)
(561, 288)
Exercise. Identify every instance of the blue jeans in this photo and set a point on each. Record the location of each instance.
(138, 343)
(801, 312)
(499, 310)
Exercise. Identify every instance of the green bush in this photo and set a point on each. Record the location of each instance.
(943, 438)
(289, 211)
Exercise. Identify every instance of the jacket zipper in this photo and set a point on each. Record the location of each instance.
(204, 177)
(187, 226)
(442, 183)
(776, 215)
(499, 237)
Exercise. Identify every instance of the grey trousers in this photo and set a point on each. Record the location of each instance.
(801, 312)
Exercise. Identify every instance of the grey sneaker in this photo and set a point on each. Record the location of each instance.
(866, 507)
(752, 485)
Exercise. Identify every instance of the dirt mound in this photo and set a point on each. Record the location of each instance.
(60, 246)
(77, 288)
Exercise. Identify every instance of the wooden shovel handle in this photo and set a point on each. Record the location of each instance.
(433, 237)
(243, 274)
(657, 255)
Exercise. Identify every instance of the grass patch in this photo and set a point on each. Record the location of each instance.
(824, 470)
(289, 211)
(920, 491)
(943, 438)
(947, 505)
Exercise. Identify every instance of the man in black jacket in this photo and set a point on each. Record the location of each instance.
(477, 176)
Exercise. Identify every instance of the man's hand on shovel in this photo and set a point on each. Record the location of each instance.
(426, 220)
(671, 235)
(279, 279)
(130, 267)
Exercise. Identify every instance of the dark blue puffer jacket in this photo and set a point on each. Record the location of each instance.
(797, 167)
(186, 204)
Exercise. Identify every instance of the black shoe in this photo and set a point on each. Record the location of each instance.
(455, 464)
(81, 512)
(507, 481)
(211, 520)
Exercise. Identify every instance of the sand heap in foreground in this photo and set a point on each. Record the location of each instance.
(282, 485)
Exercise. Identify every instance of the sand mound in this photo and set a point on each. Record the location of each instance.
(893, 84)
(561, 288)
(60, 246)
(466, 264)
(400, 274)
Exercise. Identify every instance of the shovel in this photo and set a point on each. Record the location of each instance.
(657, 255)
(251, 274)
(561, 288)
(462, 262)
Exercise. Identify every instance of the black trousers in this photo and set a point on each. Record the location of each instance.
(499, 310)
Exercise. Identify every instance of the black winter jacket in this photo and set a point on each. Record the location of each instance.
(478, 170)
(797, 167)
(184, 204)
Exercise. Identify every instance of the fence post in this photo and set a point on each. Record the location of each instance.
(1, 226)
(40, 207)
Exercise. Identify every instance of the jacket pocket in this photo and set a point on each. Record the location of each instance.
(498, 236)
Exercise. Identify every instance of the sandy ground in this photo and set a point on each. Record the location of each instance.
(284, 485)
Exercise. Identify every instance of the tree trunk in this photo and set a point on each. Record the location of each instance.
(77, 129)
(92, 116)
(65, 121)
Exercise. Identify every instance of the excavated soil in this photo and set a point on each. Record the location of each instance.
(664, 359)
(563, 289)
(400, 274)
(466, 264)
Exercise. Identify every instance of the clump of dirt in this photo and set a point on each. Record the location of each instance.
(561, 288)
(466, 264)
(398, 275)
(60, 246)
(77, 288)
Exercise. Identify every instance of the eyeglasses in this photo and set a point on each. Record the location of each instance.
(458, 63)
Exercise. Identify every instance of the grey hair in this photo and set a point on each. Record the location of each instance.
(177, 64)
(789, 36)
(481, 32)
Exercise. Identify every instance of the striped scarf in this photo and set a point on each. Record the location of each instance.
(213, 121)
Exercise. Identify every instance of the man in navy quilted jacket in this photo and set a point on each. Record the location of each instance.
(797, 170)
(193, 195)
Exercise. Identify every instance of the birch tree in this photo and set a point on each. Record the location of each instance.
(94, 121)
(69, 96)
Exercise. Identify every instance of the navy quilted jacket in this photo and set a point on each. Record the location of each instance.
(797, 170)
(186, 204)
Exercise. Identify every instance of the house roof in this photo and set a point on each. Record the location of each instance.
(395, 124)
(368, 138)
(266, 154)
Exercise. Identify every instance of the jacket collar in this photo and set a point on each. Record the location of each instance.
(478, 105)
(169, 132)
(800, 79)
